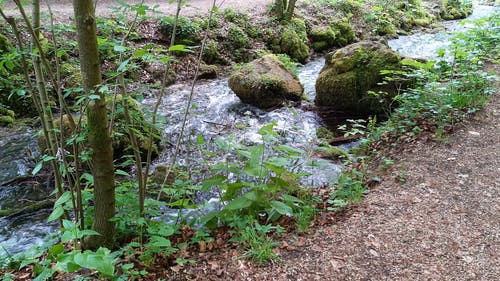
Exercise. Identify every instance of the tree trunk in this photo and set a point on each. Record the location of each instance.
(99, 139)
(290, 9)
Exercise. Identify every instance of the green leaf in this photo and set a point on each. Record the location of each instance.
(119, 49)
(37, 168)
(123, 66)
(121, 173)
(282, 208)
(56, 214)
(65, 197)
(159, 241)
(88, 232)
(56, 250)
(239, 203)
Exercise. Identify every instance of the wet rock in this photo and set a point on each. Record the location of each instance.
(156, 73)
(265, 83)
(351, 72)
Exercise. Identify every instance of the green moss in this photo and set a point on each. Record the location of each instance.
(187, 31)
(323, 38)
(455, 9)
(211, 52)
(70, 71)
(237, 37)
(353, 71)
(344, 32)
(324, 133)
(5, 44)
(320, 46)
(291, 39)
(6, 120)
(207, 71)
(6, 112)
(334, 152)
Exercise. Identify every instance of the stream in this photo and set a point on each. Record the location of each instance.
(216, 112)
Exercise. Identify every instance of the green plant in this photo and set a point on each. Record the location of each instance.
(349, 189)
(289, 64)
(260, 184)
(259, 246)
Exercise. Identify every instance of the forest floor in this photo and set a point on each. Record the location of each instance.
(435, 216)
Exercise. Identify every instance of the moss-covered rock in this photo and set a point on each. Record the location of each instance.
(6, 120)
(338, 34)
(157, 73)
(207, 71)
(265, 83)
(291, 39)
(344, 32)
(142, 129)
(350, 72)
(323, 38)
(455, 9)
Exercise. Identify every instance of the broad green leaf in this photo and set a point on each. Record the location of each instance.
(239, 203)
(56, 250)
(159, 241)
(56, 214)
(121, 173)
(65, 197)
(282, 208)
(119, 48)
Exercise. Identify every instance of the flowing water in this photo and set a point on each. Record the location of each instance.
(216, 112)
(426, 45)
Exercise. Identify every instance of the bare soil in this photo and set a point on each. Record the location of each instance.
(435, 216)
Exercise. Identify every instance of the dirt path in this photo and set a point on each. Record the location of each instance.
(63, 9)
(443, 223)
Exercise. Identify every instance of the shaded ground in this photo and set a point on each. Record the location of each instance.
(63, 9)
(436, 216)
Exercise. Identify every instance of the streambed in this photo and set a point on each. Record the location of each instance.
(217, 112)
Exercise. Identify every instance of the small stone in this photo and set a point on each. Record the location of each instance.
(374, 253)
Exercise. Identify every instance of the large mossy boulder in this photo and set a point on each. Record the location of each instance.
(351, 72)
(265, 83)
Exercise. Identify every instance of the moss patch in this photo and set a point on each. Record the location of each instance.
(455, 9)
(291, 39)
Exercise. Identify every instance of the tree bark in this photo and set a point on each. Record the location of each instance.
(99, 139)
